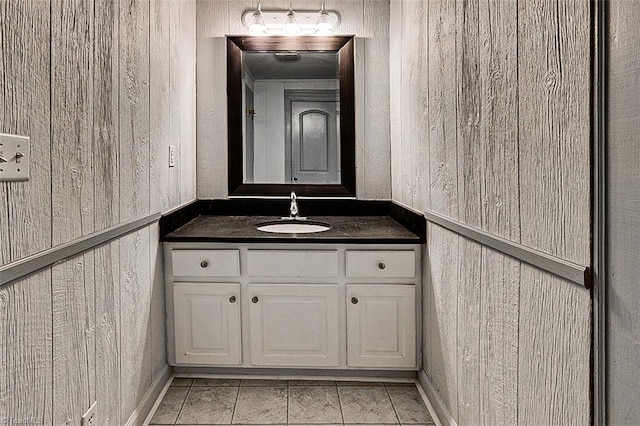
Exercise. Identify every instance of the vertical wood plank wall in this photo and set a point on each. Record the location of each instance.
(367, 19)
(622, 219)
(26, 370)
(490, 125)
(102, 88)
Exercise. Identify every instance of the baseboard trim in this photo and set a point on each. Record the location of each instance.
(425, 399)
(294, 373)
(444, 416)
(143, 409)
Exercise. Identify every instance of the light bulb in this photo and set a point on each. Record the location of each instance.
(323, 26)
(257, 26)
(290, 26)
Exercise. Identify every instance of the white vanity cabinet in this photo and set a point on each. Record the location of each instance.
(381, 317)
(314, 306)
(381, 326)
(207, 323)
(294, 325)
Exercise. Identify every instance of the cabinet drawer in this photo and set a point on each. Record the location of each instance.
(292, 263)
(205, 263)
(381, 264)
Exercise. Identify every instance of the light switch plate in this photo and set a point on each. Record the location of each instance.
(14, 157)
(172, 155)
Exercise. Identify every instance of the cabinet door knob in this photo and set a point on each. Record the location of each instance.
(232, 299)
(255, 299)
(204, 264)
(381, 265)
(354, 300)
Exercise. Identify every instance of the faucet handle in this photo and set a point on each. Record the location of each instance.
(293, 208)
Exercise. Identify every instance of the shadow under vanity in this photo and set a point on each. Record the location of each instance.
(343, 302)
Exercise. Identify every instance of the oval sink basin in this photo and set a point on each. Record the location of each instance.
(293, 227)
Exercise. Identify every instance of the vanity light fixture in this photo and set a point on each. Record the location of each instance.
(290, 22)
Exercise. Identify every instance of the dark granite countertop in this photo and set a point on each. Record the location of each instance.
(344, 229)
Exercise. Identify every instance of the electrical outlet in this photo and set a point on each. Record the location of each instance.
(172, 155)
(89, 418)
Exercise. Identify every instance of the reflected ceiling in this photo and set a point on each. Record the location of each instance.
(293, 65)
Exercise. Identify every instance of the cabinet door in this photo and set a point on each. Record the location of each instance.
(381, 326)
(207, 323)
(294, 325)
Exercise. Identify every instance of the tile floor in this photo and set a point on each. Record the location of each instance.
(282, 402)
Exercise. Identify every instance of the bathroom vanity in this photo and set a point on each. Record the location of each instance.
(347, 298)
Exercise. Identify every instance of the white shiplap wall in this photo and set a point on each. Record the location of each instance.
(102, 90)
(491, 126)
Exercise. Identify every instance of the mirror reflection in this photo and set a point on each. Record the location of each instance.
(291, 120)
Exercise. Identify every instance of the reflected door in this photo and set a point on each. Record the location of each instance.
(248, 132)
(314, 141)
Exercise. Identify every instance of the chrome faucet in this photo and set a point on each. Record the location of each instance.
(293, 208)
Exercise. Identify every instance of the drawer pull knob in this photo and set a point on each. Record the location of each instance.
(232, 299)
(255, 299)
(354, 300)
(381, 265)
(204, 264)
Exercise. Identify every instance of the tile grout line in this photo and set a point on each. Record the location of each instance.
(391, 401)
(235, 405)
(183, 402)
(340, 403)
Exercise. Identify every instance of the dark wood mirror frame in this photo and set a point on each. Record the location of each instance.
(344, 46)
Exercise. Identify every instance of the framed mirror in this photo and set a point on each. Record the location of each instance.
(291, 116)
